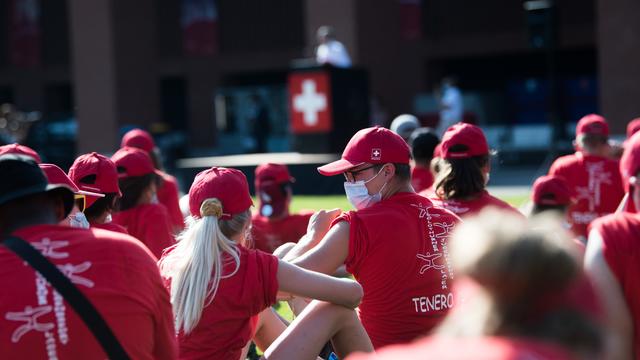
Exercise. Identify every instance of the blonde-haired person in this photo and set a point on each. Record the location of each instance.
(221, 291)
(521, 296)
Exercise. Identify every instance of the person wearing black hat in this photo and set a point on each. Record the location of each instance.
(114, 271)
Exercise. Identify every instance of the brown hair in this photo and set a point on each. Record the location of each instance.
(461, 178)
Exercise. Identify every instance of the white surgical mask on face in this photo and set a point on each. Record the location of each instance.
(78, 220)
(358, 194)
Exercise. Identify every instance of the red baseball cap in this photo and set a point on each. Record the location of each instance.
(437, 151)
(230, 186)
(131, 161)
(138, 138)
(57, 176)
(20, 150)
(375, 145)
(592, 124)
(632, 127)
(271, 172)
(551, 190)
(468, 136)
(100, 166)
(630, 160)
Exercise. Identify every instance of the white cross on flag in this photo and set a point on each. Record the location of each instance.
(310, 102)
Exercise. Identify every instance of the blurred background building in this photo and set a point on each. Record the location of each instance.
(196, 73)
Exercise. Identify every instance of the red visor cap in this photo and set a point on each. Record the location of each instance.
(57, 176)
(138, 138)
(375, 145)
(20, 150)
(132, 161)
(592, 124)
(230, 186)
(468, 135)
(101, 167)
(551, 190)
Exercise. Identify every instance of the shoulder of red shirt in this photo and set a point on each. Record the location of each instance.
(111, 227)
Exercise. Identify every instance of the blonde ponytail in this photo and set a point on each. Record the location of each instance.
(195, 266)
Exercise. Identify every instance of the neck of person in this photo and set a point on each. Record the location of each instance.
(9, 226)
(393, 187)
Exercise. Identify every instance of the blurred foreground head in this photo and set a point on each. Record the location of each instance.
(524, 277)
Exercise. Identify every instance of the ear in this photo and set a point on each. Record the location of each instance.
(389, 169)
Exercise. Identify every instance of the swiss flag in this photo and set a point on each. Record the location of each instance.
(310, 102)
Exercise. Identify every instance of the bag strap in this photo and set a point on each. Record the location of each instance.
(82, 306)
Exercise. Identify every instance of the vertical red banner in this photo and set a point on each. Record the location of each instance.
(24, 33)
(410, 19)
(200, 27)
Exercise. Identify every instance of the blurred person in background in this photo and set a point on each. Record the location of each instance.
(273, 224)
(522, 295)
(137, 211)
(404, 125)
(330, 50)
(222, 291)
(611, 259)
(451, 106)
(591, 173)
(168, 189)
(394, 243)
(423, 142)
(97, 173)
(114, 271)
(460, 185)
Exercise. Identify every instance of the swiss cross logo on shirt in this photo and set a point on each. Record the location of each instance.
(310, 102)
(376, 154)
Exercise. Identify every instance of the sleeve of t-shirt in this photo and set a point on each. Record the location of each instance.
(266, 279)
(556, 168)
(358, 243)
(609, 250)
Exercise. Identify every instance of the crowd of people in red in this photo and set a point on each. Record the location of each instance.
(436, 265)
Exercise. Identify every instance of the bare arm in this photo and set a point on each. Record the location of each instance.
(619, 327)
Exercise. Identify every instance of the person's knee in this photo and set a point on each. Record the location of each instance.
(283, 250)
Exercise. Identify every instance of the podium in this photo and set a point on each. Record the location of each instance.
(327, 105)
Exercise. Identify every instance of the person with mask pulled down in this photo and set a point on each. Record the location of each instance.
(394, 243)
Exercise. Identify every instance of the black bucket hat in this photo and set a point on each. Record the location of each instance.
(21, 176)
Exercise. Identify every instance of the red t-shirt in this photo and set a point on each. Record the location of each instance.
(118, 275)
(470, 207)
(148, 223)
(169, 197)
(621, 249)
(110, 226)
(421, 178)
(597, 183)
(229, 321)
(268, 235)
(398, 253)
(480, 348)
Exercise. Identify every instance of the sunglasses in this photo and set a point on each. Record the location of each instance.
(81, 201)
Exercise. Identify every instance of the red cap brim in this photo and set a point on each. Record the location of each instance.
(337, 167)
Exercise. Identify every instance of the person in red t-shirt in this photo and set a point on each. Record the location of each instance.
(520, 294)
(395, 243)
(222, 291)
(95, 172)
(168, 190)
(611, 259)
(592, 175)
(20, 150)
(117, 275)
(273, 225)
(464, 173)
(137, 213)
(423, 142)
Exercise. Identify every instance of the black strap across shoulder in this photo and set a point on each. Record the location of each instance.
(71, 294)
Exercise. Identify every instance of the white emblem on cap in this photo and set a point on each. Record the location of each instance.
(376, 154)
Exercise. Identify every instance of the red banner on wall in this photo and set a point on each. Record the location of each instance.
(24, 33)
(200, 27)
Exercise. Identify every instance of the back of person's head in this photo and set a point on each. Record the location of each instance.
(273, 189)
(219, 202)
(325, 32)
(592, 133)
(96, 172)
(404, 125)
(423, 142)
(143, 140)
(18, 149)
(525, 273)
(465, 161)
(551, 193)
(137, 177)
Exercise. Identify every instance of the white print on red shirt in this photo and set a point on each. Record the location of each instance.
(48, 248)
(436, 252)
(435, 302)
(30, 316)
(430, 262)
(597, 177)
(70, 270)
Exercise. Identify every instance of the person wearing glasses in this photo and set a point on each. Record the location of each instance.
(395, 242)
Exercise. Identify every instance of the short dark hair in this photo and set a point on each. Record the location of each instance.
(100, 206)
(132, 188)
(423, 141)
(461, 178)
(538, 208)
(403, 171)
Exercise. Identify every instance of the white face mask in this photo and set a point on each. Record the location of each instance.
(358, 194)
(78, 220)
